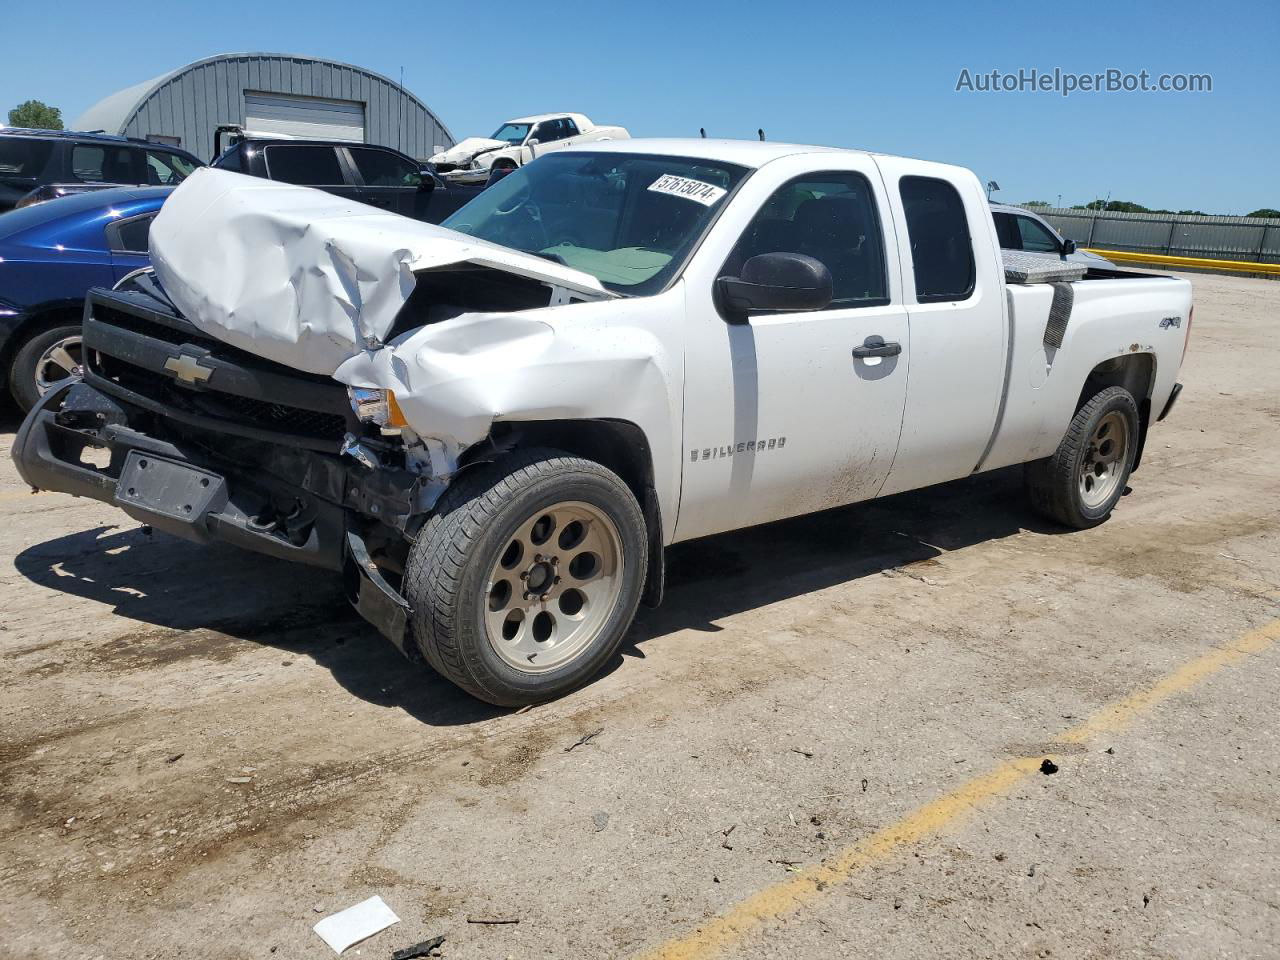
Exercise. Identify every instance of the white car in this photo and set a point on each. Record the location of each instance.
(494, 427)
(1021, 229)
(517, 142)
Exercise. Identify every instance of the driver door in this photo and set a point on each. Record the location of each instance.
(782, 417)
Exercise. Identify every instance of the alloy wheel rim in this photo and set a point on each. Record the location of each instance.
(553, 586)
(1102, 466)
(61, 360)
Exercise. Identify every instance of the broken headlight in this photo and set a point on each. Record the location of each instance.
(377, 406)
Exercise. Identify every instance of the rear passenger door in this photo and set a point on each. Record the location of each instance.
(955, 303)
(389, 181)
(310, 165)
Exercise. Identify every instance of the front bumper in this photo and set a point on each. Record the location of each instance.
(468, 176)
(289, 503)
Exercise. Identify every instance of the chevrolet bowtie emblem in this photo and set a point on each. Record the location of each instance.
(188, 369)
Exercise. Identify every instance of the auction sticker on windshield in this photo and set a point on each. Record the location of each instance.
(704, 193)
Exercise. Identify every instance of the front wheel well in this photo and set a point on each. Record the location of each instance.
(1136, 373)
(617, 444)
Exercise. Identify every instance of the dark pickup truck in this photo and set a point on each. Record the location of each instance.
(379, 176)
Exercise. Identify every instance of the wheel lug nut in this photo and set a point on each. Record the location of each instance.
(556, 580)
(524, 574)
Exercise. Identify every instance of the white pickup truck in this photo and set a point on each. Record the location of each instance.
(495, 426)
(517, 142)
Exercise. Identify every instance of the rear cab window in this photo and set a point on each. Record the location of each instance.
(941, 246)
(309, 166)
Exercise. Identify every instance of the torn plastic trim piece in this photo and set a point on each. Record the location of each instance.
(372, 596)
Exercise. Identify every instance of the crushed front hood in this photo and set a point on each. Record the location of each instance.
(465, 150)
(306, 278)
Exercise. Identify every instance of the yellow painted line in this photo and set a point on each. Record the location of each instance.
(804, 887)
(1160, 259)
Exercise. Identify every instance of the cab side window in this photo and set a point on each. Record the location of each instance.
(164, 167)
(1035, 237)
(832, 218)
(103, 163)
(379, 168)
(941, 251)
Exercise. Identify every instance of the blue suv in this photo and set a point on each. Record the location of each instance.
(50, 255)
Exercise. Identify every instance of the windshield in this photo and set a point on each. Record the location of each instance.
(629, 220)
(512, 133)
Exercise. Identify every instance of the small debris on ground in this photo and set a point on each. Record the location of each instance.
(1000, 857)
(600, 820)
(174, 757)
(418, 949)
(239, 779)
(583, 740)
(803, 753)
(864, 784)
(342, 929)
(493, 921)
(725, 842)
(1048, 767)
(1031, 871)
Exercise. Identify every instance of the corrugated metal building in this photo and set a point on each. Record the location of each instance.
(274, 94)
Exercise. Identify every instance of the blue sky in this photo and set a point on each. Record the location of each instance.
(880, 78)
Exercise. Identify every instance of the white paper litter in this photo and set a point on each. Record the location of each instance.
(354, 924)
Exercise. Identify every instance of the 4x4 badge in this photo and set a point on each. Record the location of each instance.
(188, 369)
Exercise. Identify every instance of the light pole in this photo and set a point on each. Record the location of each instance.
(992, 186)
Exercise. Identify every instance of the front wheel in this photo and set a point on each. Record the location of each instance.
(525, 580)
(1082, 482)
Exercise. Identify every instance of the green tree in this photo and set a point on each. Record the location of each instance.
(1036, 203)
(35, 113)
(1265, 212)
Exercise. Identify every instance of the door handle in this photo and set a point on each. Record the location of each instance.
(875, 346)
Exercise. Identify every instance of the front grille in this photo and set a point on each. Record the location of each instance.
(246, 395)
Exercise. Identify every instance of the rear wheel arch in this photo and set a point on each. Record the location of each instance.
(1136, 373)
(37, 322)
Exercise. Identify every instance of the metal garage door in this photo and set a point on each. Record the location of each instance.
(278, 115)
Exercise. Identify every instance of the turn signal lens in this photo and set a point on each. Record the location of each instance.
(377, 406)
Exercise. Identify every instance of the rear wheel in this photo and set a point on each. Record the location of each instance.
(1082, 482)
(43, 362)
(526, 579)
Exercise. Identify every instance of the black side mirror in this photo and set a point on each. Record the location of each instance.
(1068, 247)
(777, 281)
